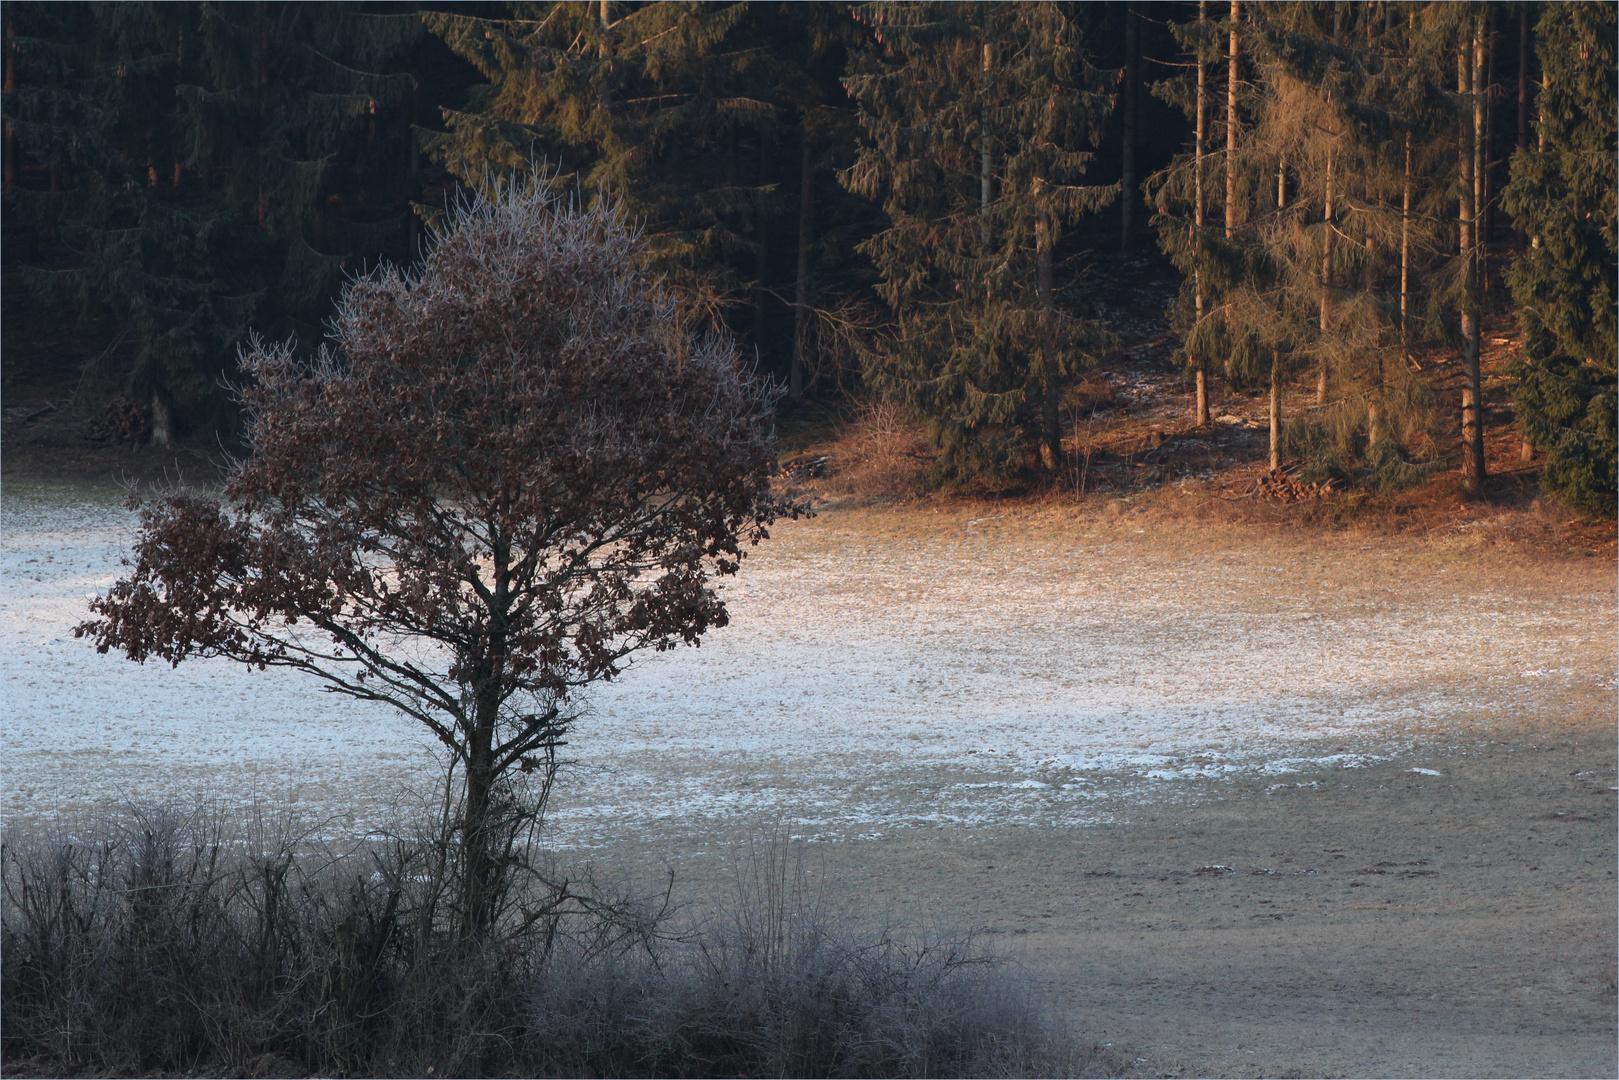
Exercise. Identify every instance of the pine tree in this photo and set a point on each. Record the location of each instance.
(1181, 195)
(640, 103)
(1562, 195)
(1351, 124)
(1316, 223)
(186, 167)
(975, 118)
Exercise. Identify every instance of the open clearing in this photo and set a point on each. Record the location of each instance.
(1246, 803)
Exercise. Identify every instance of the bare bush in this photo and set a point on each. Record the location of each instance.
(882, 452)
(167, 944)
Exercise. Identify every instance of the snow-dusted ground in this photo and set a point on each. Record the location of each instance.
(880, 672)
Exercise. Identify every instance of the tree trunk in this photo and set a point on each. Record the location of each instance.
(986, 158)
(609, 49)
(1199, 365)
(1132, 81)
(1521, 237)
(162, 423)
(1276, 408)
(1470, 75)
(1487, 163)
(477, 840)
(1231, 126)
(1276, 353)
(801, 312)
(1050, 420)
(1324, 318)
(1405, 255)
(761, 250)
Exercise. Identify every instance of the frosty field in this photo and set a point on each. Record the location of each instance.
(882, 671)
(1243, 803)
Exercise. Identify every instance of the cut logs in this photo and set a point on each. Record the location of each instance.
(1277, 484)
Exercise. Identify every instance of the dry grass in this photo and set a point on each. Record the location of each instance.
(880, 453)
(167, 945)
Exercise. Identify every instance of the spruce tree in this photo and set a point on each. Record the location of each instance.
(638, 103)
(976, 120)
(191, 168)
(1562, 195)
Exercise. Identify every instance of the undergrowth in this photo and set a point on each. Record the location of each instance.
(164, 944)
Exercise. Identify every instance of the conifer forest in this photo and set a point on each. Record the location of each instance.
(911, 204)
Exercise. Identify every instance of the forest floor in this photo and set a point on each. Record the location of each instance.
(1133, 445)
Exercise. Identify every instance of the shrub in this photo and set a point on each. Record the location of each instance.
(165, 943)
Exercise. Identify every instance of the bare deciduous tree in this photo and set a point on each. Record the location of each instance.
(508, 471)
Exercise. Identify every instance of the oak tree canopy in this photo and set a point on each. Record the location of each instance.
(507, 471)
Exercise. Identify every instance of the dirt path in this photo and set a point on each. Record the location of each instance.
(1248, 803)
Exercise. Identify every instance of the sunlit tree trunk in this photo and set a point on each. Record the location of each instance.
(1470, 76)
(1405, 255)
(1199, 363)
(1276, 353)
(1276, 408)
(1231, 126)
(1324, 319)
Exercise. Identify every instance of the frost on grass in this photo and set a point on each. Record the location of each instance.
(865, 684)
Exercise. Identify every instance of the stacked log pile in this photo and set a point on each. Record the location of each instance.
(1279, 485)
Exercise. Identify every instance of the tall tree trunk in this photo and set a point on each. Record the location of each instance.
(801, 312)
(1324, 318)
(1487, 163)
(761, 249)
(1276, 408)
(1199, 364)
(1231, 125)
(986, 157)
(1470, 75)
(1276, 352)
(609, 50)
(1520, 236)
(1132, 84)
(1050, 417)
(1405, 255)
